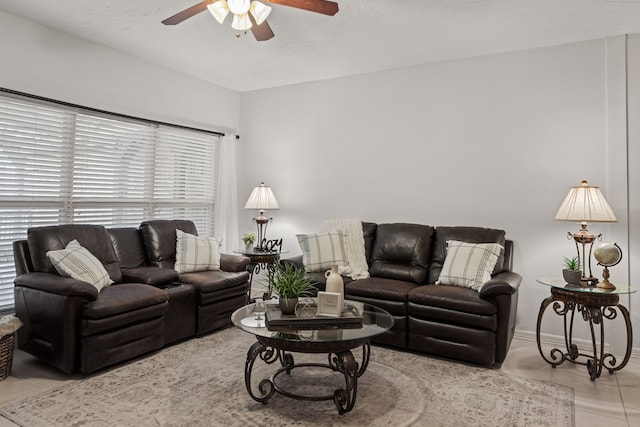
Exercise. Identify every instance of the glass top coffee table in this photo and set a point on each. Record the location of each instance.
(333, 338)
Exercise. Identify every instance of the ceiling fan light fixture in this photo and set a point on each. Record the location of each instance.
(260, 11)
(219, 10)
(239, 7)
(241, 22)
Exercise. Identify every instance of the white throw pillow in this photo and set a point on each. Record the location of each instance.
(321, 251)
(195, 253)
(77, 262)
(469, 264)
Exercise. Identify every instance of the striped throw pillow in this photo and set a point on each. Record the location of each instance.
(195, 253)
(321, 251)
(77, 262)
(468, 264)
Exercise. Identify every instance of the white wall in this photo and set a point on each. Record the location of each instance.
(43, 62)
(494, 141)
(634, 178)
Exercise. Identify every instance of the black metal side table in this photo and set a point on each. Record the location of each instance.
(595, 305)
(262, 260)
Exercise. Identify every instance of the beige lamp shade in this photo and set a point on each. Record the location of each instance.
(585, 204)
(262, 198)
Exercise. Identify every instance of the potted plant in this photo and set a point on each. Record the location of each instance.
(249, 239)
(571, 273)
(290, 283)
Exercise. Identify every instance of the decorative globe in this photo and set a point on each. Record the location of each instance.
(608, 254)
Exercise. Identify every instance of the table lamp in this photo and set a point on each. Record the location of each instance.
(585, 204)
(262, 199)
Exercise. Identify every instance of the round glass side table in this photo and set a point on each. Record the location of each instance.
(595, 305)
(262, 260)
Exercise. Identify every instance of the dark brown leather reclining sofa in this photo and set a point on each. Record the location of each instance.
(73, 327)
(455, 322)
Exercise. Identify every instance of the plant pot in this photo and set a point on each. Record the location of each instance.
(572, 277)
(288, 305)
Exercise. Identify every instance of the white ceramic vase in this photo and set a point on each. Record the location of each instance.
(334, 281)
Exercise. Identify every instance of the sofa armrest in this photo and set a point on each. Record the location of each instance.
(294, 261)
(505, 283)
(59, 285)
(234, 263)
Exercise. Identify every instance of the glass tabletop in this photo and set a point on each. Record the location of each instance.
(374, 321)
(556, 282)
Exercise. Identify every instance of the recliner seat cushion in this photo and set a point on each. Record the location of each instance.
(453, 298)
(402, 252)
(453, 305)
(380, 288)
(213, 281)
(123, 298)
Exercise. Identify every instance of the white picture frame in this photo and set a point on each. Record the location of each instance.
(330, 304)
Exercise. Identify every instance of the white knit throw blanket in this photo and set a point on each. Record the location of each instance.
(357, 267)
(9, 324)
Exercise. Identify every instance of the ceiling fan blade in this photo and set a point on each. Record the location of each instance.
(187, 13)
(261, 32)
(319, 6)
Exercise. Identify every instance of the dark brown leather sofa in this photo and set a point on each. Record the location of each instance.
(450, 321)
(71, 326)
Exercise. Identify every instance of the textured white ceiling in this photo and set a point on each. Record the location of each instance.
(364, 36)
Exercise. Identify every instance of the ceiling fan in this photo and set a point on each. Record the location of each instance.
(249, 14)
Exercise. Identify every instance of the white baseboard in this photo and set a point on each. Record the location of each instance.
(558, 341)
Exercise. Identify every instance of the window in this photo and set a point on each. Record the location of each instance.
(64, 164)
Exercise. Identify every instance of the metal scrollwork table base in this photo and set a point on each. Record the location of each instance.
(595, 306)
(337, 341)
(340, 359)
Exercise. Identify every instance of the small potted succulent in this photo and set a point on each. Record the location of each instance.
(571, 272)
(249, 239)
(290, 283)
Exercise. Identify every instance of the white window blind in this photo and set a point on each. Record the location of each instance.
(185, 179)
(61, 164)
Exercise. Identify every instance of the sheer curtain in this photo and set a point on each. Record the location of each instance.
(226, 206)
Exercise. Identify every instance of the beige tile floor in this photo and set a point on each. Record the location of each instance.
(612, 400)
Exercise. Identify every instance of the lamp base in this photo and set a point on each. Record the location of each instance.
(584, 238)
(261, 222)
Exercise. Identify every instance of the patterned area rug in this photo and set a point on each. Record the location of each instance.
(201, 382)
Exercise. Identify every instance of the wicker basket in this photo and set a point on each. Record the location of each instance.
(6, 355)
